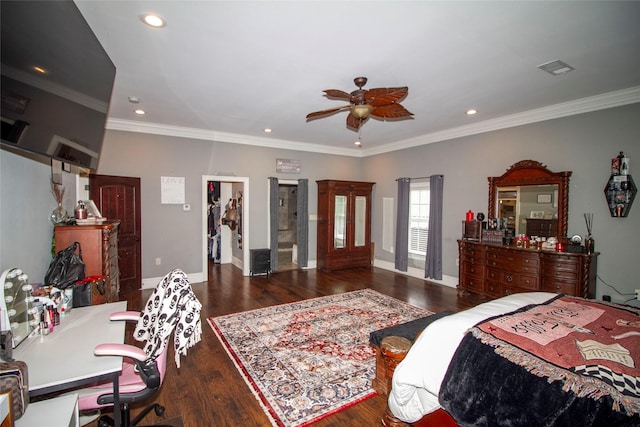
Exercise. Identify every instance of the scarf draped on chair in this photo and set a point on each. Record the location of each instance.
(172, 304)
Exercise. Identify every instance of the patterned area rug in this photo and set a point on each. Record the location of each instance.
(307, 360)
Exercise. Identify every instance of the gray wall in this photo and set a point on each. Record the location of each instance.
(583, 144)
(170, 233)
(26, 203)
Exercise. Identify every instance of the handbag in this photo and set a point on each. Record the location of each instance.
(90, 291)
(66, 268)
(14, 379)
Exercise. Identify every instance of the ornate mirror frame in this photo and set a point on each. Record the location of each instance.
(530, 172)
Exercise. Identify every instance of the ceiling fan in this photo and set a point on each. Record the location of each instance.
(363, 103)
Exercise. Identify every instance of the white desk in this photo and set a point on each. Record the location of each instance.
(64, 358)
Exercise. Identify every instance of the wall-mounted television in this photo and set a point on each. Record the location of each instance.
(56, 82)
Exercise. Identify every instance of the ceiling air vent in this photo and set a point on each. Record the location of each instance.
(556, 67)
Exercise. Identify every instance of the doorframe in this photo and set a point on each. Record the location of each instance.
(280, 182)
(245, 221)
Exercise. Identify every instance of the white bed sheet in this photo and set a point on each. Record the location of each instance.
(417, 379)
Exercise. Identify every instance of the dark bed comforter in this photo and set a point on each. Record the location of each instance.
(568, 362)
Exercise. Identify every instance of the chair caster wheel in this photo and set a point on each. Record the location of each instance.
(159, 410)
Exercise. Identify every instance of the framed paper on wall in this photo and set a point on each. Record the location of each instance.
(544, 198)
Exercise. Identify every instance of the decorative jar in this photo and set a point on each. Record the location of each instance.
(59, 215)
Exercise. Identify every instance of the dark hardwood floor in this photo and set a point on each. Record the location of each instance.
(208, 390)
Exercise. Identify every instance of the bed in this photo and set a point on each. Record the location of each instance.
(457, 364)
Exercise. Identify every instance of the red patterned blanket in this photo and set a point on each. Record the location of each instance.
(593, 348)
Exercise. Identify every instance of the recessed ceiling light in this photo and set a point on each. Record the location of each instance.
(267, 130)
(134, 100)
(39, 69)
(153, 20)
(471, 112)
(358, 143)
(556, 67)
(140, 112)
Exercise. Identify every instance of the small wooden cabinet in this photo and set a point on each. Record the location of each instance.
(99, 244)
(344, 224)
(493, 270)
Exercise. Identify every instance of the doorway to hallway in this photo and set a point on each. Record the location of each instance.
(287, 226)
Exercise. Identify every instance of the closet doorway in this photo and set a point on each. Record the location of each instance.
(226, 221)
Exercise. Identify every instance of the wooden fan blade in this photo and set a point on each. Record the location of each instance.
(354, 123)
(392, 111)
(318, 114)
(337, 94)
(385, 95)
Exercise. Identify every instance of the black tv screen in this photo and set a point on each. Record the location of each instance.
(56, 82)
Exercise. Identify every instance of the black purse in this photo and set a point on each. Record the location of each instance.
(66, 268)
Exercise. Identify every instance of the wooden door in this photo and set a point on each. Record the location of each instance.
(118, 197)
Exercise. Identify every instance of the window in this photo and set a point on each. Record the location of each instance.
(419, 218)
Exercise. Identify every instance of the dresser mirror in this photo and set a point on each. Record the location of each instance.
(531, 199)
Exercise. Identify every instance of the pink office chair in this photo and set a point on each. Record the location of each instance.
(172, 305)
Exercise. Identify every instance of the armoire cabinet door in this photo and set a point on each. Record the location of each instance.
(344, 224)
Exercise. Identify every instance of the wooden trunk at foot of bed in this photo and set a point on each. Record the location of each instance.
(393, 350)
(439, 418)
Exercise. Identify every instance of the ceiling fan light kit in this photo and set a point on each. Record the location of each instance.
(383, 103)
(361, 111)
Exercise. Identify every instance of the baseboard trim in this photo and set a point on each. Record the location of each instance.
(449, 281)
(152, 282)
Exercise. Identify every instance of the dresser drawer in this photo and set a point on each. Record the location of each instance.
(473, 258)
(528, 282)
(514, 261)
(471, 251)
(559, 287)
(509, 278)
(471, 283)
(473, 269)
(560, 274)
(493, 288)
(561, 266)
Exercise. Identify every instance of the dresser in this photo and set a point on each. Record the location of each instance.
(494, 270)
(99, 244)
(344, 224)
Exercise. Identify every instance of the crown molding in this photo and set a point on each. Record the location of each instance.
(565, 109)
(232, 138)
(579, 106)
